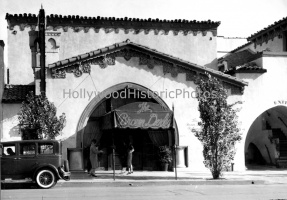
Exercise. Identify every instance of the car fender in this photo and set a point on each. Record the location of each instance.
(47, 166)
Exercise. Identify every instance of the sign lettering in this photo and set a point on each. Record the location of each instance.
(280, 102)
(144, 107)
(152, 120)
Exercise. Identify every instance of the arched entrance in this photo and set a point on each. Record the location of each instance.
(91, 126)
(266, 141)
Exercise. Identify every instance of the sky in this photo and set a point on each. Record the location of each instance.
(239, 18)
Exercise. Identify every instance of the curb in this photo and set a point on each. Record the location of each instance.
(118, 183)
(129, 183)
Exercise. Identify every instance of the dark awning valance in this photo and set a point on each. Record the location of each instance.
(143, 115)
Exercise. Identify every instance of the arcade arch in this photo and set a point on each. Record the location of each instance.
(266, 140)
(90, 127)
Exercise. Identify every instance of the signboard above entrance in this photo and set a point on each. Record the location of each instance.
(143, 115)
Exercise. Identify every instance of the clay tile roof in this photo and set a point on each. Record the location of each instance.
(112, 22)
(16, 93)
(187, 65)
(240, 58)
(278, 25)
(246, 68)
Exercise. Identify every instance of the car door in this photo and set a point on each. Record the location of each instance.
(46, 154)
(26, 162)
(9, 161)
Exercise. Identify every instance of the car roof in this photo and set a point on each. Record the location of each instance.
(30, 141)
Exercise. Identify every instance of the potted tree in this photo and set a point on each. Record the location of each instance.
(165, 156)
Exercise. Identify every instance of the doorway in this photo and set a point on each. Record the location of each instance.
(144, 156)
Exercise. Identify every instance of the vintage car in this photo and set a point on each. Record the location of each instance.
(36, 160)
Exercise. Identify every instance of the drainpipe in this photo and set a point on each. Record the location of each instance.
(41, 36)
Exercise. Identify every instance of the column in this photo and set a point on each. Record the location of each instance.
(180, 157)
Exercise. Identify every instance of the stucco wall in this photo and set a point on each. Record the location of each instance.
(227, 44)
(19, 57)
(186, 111)
(263, 92)
(275, 45)
(2, 69)
(10, 122)
(197, 49)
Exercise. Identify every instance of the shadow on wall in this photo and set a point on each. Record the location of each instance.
(253, 155)
(212, 64)
(10, 121)
(15, 132)
(72, 152)
(68, 143)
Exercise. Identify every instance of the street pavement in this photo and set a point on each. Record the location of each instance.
(160, 192)
(255, 184)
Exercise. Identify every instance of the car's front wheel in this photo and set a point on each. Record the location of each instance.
(45, 179)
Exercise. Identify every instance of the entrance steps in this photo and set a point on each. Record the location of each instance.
(282, 160)
(283, 148)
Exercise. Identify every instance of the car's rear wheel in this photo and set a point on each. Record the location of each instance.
(45, 179)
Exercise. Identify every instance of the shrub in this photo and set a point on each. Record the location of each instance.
(38, 120)
(219, 130)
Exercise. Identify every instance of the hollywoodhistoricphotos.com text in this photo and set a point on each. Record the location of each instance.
(132, 93)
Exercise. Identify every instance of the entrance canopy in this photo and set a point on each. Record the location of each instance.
(142, 115)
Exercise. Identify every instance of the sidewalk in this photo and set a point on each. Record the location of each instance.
(139, 178)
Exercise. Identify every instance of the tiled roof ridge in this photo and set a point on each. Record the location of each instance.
(240, 47)
(234, 51)
(104, 50)
(16, 93)
(56, 16)
(248, 64)
(271, 27)
(249, 67)
(57, 21)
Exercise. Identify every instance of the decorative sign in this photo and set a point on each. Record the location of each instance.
(280, 102)
(144, 115)
(144, 107)
(143, 120)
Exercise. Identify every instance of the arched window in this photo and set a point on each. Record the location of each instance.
(51, 45)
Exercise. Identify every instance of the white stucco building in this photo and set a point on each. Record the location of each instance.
(88, 59)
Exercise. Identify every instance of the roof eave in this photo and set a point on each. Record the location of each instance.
(268, 29)
(127, 44)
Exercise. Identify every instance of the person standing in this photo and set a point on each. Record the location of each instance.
(123, 156)
(130, 158)
(94, 151)
(87, 162)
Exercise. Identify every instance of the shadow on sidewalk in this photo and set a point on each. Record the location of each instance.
(134, 176)
(22, 185)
